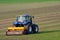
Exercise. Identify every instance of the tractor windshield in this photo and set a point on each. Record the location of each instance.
(21, 18)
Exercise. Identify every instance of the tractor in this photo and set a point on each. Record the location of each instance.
(23, 25)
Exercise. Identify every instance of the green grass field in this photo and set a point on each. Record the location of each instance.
(45, 35)
(48, 21)
(24, 1)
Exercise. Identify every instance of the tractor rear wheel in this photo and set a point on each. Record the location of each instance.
(29, 30)
(35, 28)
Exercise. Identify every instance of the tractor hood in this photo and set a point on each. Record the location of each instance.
(17, 22)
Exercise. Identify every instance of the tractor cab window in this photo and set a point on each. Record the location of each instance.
(27, 18)
(20, 18)
(23, 18)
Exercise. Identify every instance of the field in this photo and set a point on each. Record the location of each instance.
(24, 1)
(47, 16)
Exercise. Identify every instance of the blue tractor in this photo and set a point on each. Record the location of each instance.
(23, 25)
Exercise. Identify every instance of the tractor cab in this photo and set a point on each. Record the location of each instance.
(23, 20)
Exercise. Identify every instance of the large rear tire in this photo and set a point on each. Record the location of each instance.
(29, 30)
(35, 28)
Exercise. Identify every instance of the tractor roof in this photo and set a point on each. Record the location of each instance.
(24, 15)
